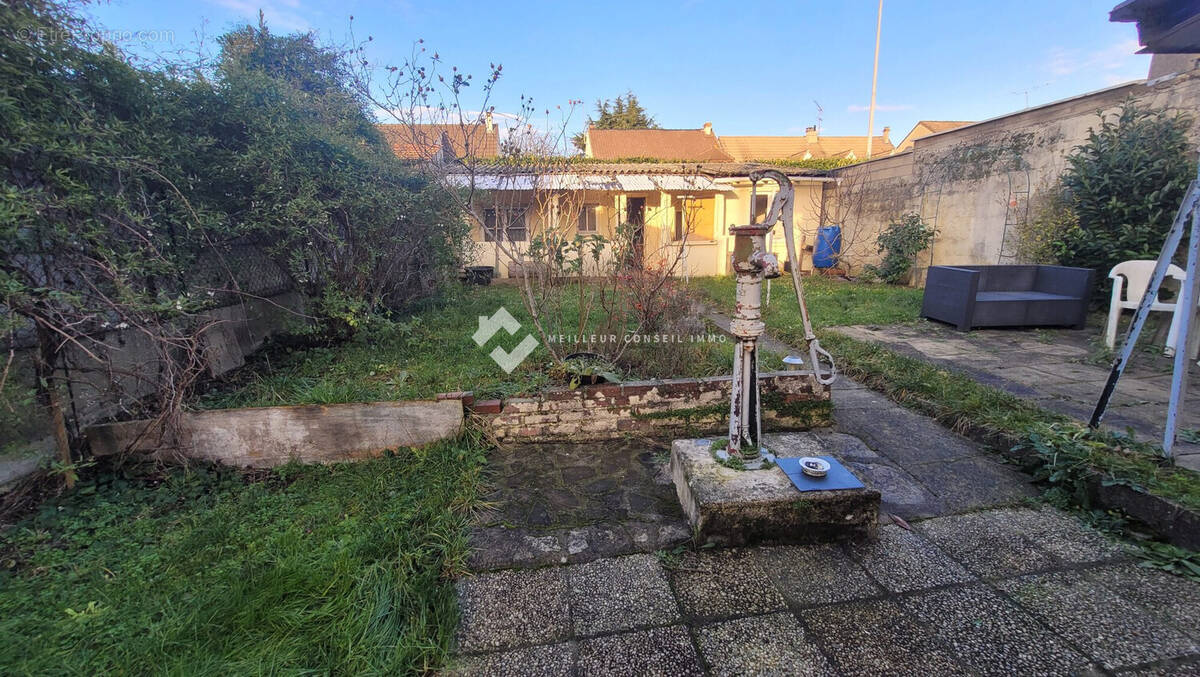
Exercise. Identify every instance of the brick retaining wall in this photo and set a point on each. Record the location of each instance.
(791, 400)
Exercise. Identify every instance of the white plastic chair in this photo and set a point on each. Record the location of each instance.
(1132, 278)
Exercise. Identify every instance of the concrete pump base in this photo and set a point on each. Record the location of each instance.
(741, 507)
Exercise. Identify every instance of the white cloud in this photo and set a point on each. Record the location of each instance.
(282, 14)
(1116, 57)
(880, 107)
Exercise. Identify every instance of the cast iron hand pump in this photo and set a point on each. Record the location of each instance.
(752, 264)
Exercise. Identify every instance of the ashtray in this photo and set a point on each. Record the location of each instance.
(814, 467)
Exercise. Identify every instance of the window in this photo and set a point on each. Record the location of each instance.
(515, 232)
(512, 221)
(489, 225)
(680, 223)
(587, 218)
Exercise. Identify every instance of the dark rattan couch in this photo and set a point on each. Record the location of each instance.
(1007, 296)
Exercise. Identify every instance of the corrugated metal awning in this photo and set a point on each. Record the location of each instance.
(635, 182)
(599, 182)
(493, 181)
(674, 182)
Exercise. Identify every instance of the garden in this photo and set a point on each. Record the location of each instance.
(139, 201)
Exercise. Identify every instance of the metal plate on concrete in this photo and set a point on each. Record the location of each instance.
(838, 477)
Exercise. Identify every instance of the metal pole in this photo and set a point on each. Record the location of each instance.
(1170, 246)
(874, 81)
(1186, 304)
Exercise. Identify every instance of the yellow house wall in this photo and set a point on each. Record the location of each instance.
(708, 245)
(734, 210)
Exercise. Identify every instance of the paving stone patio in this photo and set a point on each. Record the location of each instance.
(577, 571)
(1060, 369)
(946, 598)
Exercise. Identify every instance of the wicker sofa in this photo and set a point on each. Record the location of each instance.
(1007, 296)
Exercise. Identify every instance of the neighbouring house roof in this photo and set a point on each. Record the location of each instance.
(928, 127)
(422, 142)
(809, 146)
(668, 144)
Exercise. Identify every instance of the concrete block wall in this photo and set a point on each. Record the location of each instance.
(970, 181)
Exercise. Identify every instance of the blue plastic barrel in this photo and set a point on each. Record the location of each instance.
(829, 245)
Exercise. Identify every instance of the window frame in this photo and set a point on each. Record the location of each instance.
(587, 213)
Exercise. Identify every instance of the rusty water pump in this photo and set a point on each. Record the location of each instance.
(752, 263)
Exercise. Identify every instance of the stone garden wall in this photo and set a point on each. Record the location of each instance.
(791, 401)
(264, 437)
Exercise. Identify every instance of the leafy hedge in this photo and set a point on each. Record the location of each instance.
(1124, 185)
(118, 179)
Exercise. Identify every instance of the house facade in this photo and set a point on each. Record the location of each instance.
(671, 214)
(675, 212)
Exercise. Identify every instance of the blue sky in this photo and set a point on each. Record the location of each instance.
(748, 67)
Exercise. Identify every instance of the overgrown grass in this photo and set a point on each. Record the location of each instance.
(831, 302)
(340, 569)
(431, 352)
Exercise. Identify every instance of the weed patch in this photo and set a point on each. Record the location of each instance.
(307, 569)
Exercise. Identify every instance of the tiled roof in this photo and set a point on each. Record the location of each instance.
(668, 144)
(936, 126)
(927, 127)
(748, 148)
(420, 142)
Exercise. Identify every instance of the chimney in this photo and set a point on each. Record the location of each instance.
(885, 134)
(810, 133)
(487, 119)
(708, 129)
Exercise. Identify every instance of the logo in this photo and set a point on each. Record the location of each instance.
(490, 326)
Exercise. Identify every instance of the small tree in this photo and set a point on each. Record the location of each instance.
(900, 243)
(623, 113)
(1124, 186)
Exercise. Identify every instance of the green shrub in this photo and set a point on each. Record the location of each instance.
(1124, 185)
(1051, 218)
(900, 243)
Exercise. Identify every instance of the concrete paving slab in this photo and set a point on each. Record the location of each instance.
(992, 636)
(1021, 373)
(509, 609)
(877, 638)
(812, 443)
(661, 651)
(900, 493)
(618, 594)
(990, 545)
(549, 660)
(903, 436)
(1073, 371)
(902, 561)
(1174, 598)
(1062, 535)
(1183, 668)
(723, 583)
(815, 574)
(1114, 631)
(860, 398)
(761, 645)
(971, 483)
